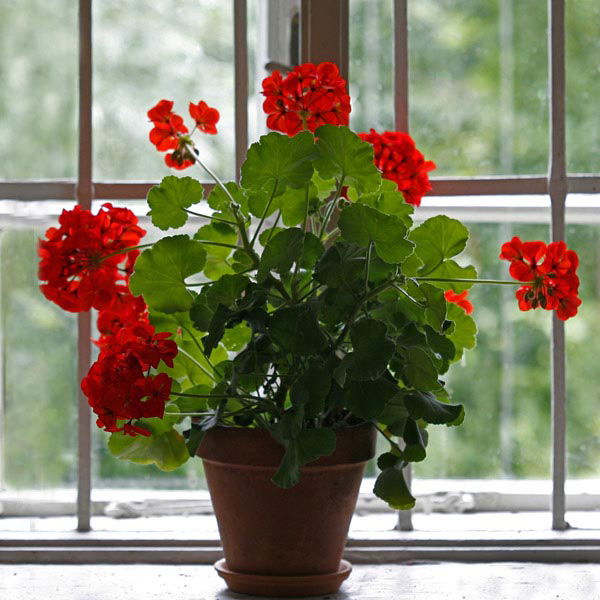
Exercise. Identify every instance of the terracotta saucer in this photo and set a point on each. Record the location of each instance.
(282, 586)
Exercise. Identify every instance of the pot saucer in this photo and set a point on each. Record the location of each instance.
(283, 586)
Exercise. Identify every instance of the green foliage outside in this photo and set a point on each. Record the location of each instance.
(456, 117)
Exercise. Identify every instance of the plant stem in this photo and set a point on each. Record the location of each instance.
(191, 212)
(459, 280)
(198, 364)
(368, 266)
(200, 284)
(126, 250)
(274, 227)
(331, 208)
(217, 396)
(400, 289)
(264, 215)
(223, 244)
(214, 177)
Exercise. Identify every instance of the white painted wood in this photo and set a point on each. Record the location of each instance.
(416, 581)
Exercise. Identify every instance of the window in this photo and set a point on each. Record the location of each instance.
(472, 80)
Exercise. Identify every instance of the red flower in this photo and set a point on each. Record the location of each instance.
(181, 158)
(118, 387)
(206, 117)
(124, 311)
(460, 300)
(79, 260)
(309, 96)
(167, 126)
(550, 273)
(398, 159)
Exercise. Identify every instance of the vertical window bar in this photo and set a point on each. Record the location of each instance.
(401, 124)
(84, 199)
(557, 187)
(324, 34)
(241, 82)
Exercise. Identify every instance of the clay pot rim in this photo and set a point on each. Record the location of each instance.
(257, 449)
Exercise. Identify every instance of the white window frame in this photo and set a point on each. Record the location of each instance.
(324, 36)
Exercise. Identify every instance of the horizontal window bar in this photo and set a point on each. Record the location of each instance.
(452, 186)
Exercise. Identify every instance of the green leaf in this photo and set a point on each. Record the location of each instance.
(217, 232)
(309, 445)
(414, 449)
(394, 414)
(187, 404)
(236, 338)
(226, 290)
(266, 235)
(287, 247)
(297, 330)
(438, 240)
(419, 370)
(160, 273)
(342, 154)
(371, 350)
(168, 200)
(367, 399)
(427, 407)
(220, 202)
(311, 389)
(292, 204)
(435, 313)
(388, 200)
(339, 265)
(165, 447)
(362, 224)
(277, 157)
(391, 487)
(464, 333)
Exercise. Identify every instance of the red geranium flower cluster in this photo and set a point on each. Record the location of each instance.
(460, 300)
(118, 387)
(170, 133)
(398, 159)
(80, 261)
(308, 97)
(550, 275)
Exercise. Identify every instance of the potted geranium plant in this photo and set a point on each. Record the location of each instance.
(277, 353)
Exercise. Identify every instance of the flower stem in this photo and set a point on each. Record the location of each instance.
(212, 217)
(459, 280)
(126, 250)
(331, 208)
(264, 215)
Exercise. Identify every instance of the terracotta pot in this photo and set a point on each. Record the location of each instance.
(283, 542)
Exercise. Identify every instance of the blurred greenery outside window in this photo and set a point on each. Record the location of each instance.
(478, 107)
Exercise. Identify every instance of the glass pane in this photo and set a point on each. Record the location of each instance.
(39, 432)
(582, 335)
(371, 65)
(583, 86)
(149, 50)
(478, 85)
(504, 382)
(38, 94)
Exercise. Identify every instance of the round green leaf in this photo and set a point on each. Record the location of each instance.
(168, 200)
(160, 273)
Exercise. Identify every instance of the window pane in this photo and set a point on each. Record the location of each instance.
(583, 86)
(371, 65)
(504, 382)
(38, 93)
(582, 335)
(478, 85)
(39, 433)
(149, 50)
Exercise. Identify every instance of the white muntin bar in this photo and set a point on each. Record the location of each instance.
(240, 19)
(85, 194)
(401, 124)
(557, 189)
